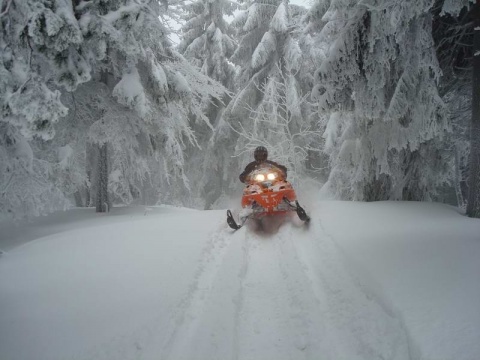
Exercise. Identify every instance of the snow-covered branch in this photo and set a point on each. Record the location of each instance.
(7, 8)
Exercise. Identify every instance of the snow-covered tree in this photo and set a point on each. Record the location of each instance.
(40, 42)
(455, 34)
(207, 39)
(269, 106)
(473, 204)
(39, 52)
(376, 90)
(25, 181)
(277, 124)
(207, 42)
(139, 99)
(160, 90)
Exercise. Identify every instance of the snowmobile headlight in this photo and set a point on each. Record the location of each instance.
(260, 177)
(271, 176)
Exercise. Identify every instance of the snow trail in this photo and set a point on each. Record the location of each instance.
(270, 321)
(283, 295)
(309, 317)
(183, 318)
(361, 326)
(240, 298)
(205, 321)
(131, 290)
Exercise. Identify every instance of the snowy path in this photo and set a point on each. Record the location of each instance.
(359, 324)
(281, 296)
(173, 284)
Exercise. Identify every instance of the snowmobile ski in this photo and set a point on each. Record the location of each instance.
(231, 221)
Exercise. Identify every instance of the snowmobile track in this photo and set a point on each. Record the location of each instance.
(275, 304)
(353, 315)
(239, 298)
(306, 315)
(286, 295)
(192, 303)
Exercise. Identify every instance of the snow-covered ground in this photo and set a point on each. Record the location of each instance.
(386, 280)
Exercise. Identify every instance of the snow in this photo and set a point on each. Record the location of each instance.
(264, 49)
(180, 84)
(422, 260)
(279, 21)
(129, 91)
(64, 155)
(23, 152)
(389, 280)
(454, 7)
(159, 77)
(116, 15)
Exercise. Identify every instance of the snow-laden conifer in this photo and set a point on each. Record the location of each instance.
(459, 53)
(207, 38)
(269, 108)
(39, 52)
(139, 100)
(377, 94)
(264, 50)
(208, 42)
(162, 91)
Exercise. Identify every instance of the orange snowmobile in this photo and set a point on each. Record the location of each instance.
(267, 193)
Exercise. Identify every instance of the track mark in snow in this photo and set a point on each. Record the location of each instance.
(308, 322)
(360, 326)
(276, 314)
(184, 321)
(239, 298)
(284, 296)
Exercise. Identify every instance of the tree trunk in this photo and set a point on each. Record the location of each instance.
(458, 180)
(473, 206)
(88, 193)
(78, 199)
(102, 201)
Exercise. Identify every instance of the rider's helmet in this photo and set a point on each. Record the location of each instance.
(260, 153)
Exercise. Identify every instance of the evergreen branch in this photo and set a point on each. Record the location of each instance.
(7, 8)
(4, 191)
(376, 8)
(74, 105)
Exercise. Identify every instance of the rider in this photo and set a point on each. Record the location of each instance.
(260, 154)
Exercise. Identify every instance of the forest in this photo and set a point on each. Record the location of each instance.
(373, 99)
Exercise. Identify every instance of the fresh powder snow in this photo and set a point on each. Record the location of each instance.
(385, 280)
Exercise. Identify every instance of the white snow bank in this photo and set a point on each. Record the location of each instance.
(98, 292)
(423, 260)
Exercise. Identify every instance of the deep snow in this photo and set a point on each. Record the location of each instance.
(384, 280)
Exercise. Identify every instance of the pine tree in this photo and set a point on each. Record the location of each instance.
(453, 37)
(140, 98)
(207, 42)
(207, 39)
(40, 51)
(161, 91)
(376, 89)
(473, 207)
(457, 48)
(269, 106)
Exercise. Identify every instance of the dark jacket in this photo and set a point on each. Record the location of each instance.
(257, 164)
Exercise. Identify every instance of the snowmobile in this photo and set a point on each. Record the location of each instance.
(267, 193)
